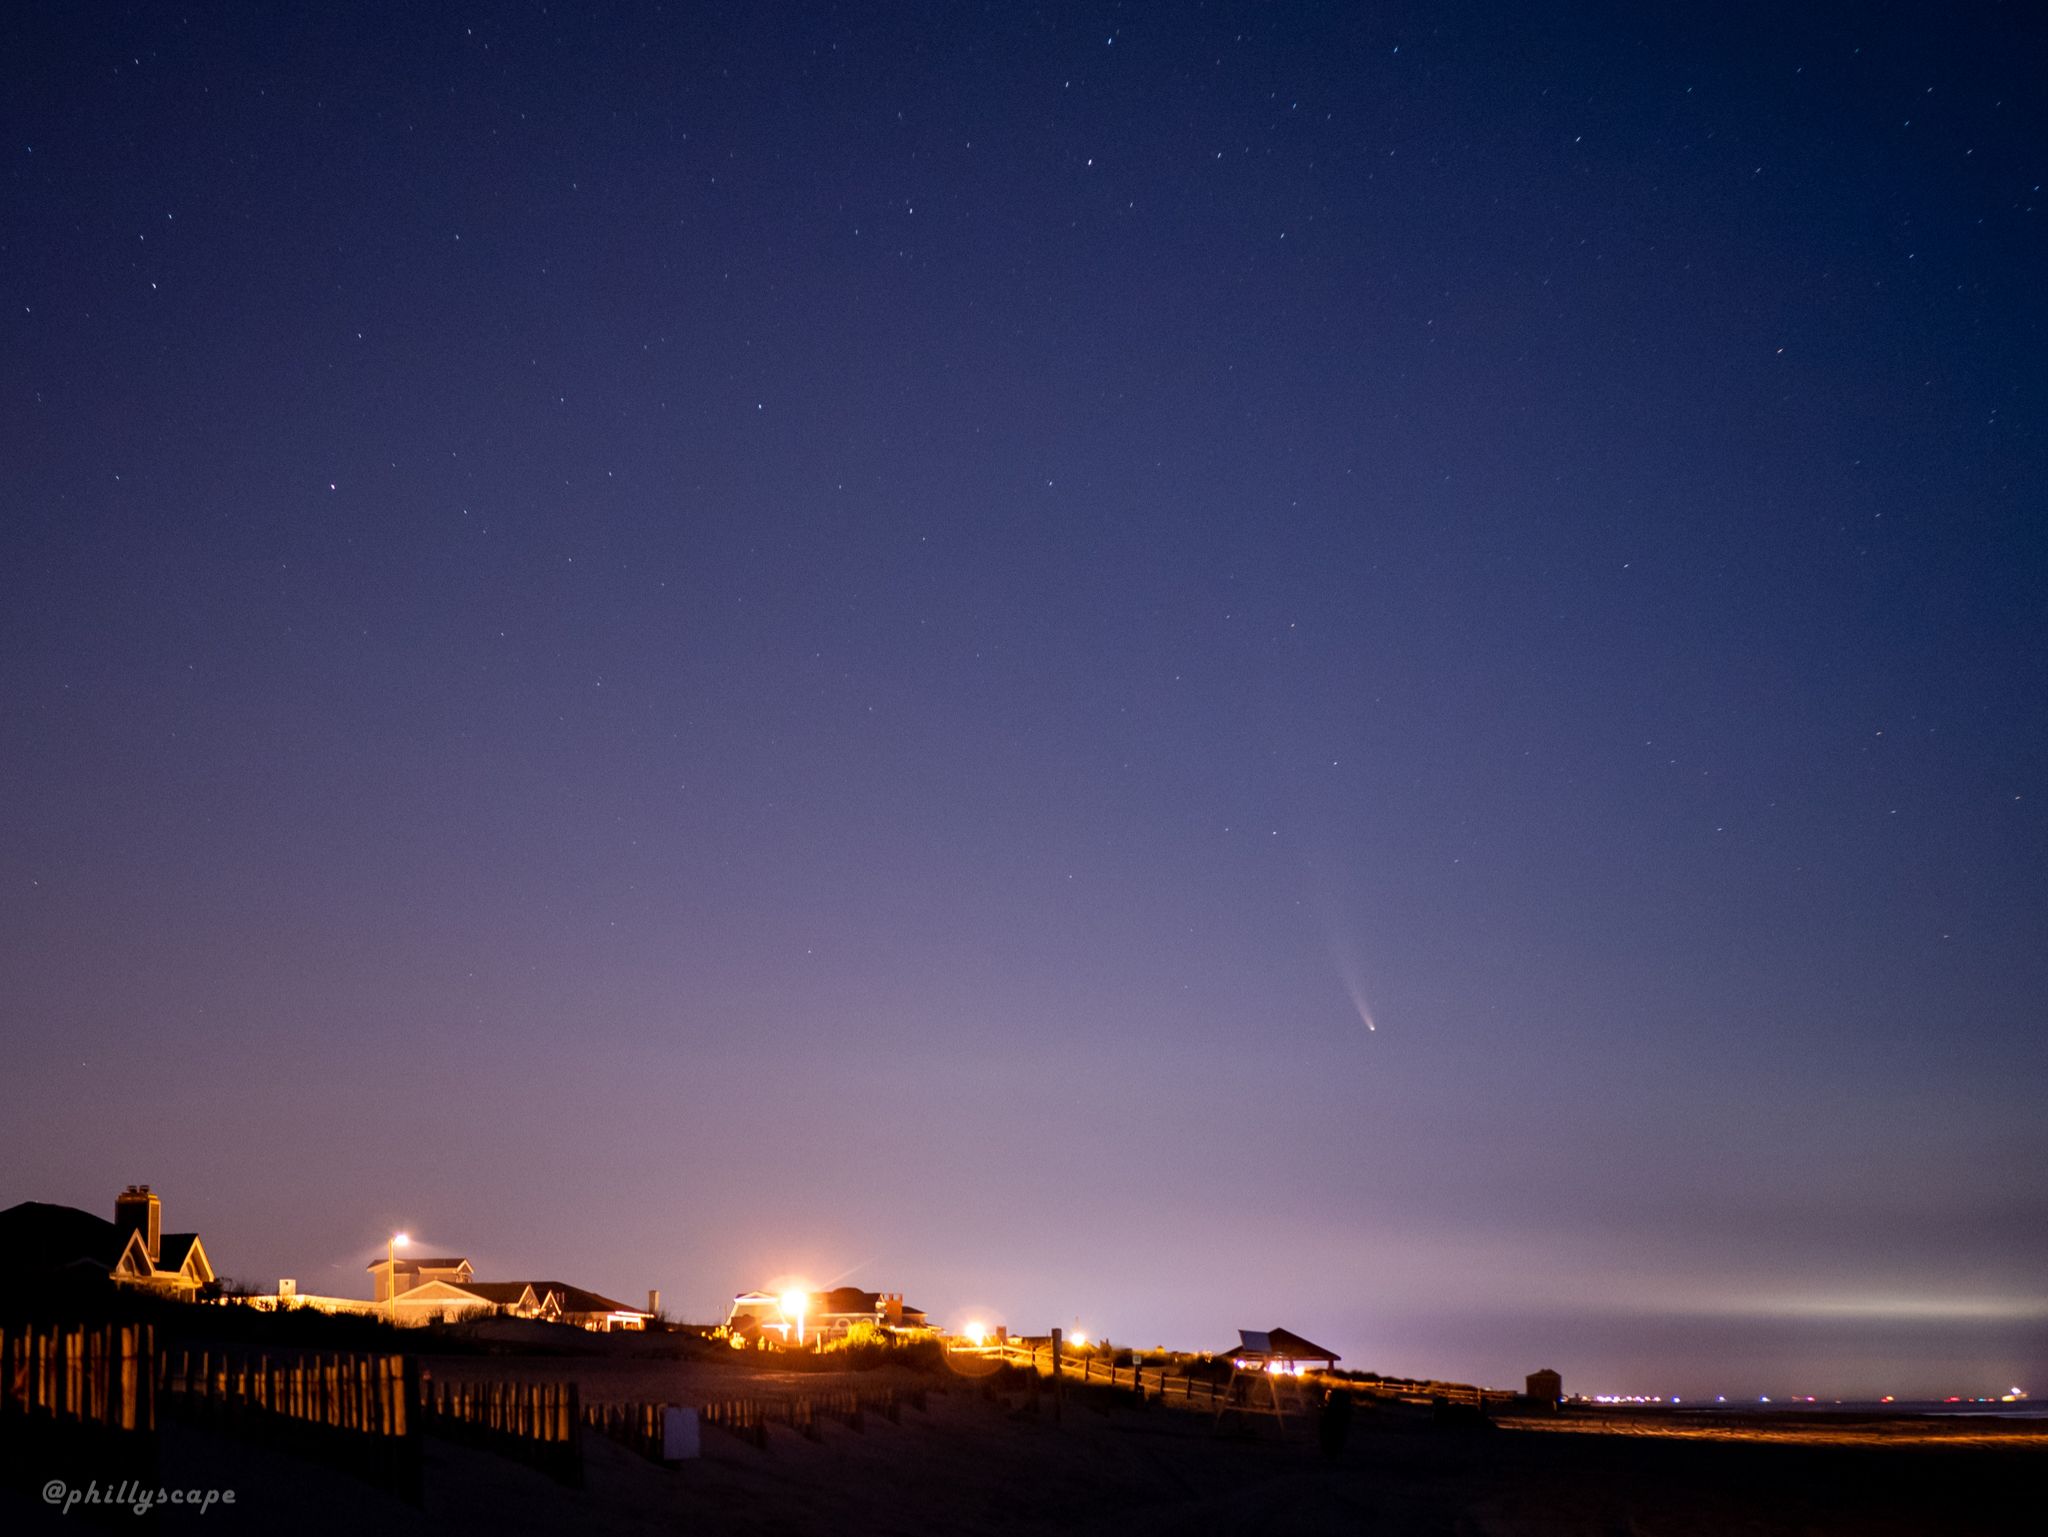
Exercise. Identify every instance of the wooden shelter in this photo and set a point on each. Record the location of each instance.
(1267, 1370)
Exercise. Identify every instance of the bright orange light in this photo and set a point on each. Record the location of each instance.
(401, 1239)
(1079, 1338)
(793, 1304)
(976, 1333)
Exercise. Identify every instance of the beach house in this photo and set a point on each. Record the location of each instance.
(806, 1317)
(421, 1290)
(42, 1243)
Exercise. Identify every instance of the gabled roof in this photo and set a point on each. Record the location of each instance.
(435, 1291)
(133, 1262)
(574, 1299)
(175, 1249)
(1278, 1345)
(406, 1262)
(512, 1293)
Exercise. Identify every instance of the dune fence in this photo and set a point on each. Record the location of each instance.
(537, 1423)
(89, 1374)
(1141, 1381)
(348, 1410)
(748, 1418)
(78, 1401)
(1416, 1391)
(640, 1426)
(1152, 1383)
(364, 1412)
(93, 1399)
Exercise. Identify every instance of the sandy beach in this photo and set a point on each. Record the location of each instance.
(974, 1460)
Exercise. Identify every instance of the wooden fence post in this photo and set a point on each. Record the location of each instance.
(572, 1416)
(1058, 1389)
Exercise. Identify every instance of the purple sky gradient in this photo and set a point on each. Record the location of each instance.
(682, 651)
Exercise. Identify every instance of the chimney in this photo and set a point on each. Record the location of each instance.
(653, 1301)
(138, 1209)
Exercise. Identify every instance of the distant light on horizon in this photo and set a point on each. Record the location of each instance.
(1919, 1309)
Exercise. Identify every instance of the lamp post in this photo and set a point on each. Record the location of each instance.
(391, 1275)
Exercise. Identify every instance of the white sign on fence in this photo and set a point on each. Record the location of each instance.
(678, 1435)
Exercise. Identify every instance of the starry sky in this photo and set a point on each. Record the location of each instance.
(1159, 668)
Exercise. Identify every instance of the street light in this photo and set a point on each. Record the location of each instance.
(391, 1274)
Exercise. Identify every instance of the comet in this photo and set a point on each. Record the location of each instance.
(1354, 987)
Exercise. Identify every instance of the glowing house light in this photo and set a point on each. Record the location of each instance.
(793, 1304)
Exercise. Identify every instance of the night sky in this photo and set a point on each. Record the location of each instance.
(1371, 668)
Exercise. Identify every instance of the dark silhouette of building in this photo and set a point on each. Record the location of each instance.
(42, 1244)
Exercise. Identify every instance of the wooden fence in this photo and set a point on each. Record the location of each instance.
(78, 1403)
(365, 1412)
(1404, 1390)
(97, 1374)
(749, 1418)
(537, 1423)
(1152, 1382)
(92, 1397)
(350, 1410)
(746, 1418)
(1179, 1387)
(637, 1425)
(350, 1390)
